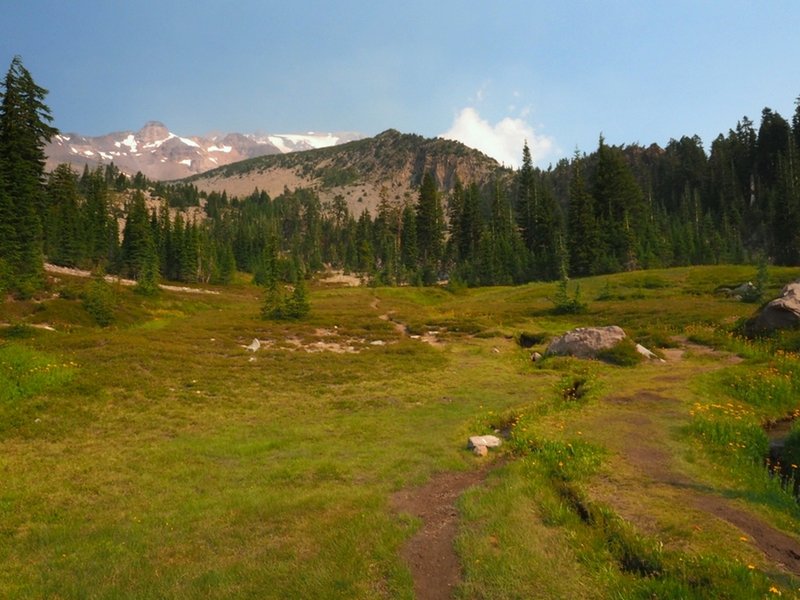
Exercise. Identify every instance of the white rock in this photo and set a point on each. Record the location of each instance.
(647, 353)
(489, 441)
(254, 345)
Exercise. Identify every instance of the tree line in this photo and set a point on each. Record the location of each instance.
(617, 208)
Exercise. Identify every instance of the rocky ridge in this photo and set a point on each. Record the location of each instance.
(161, 154)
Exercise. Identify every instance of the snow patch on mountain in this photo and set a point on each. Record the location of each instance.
(130, 142)
(163, 155)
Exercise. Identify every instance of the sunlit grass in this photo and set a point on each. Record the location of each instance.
(169, 462)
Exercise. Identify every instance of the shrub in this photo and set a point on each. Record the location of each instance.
(99, 302)
(564, 305)
(528, 340)
(623, 354)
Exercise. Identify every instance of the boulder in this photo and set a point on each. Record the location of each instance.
(781, 313)
(487, 441)
(586, 342)
(744, 290)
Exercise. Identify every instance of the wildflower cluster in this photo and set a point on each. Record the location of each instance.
(25, 372)
(773, 388)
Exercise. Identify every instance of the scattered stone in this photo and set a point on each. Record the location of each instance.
(781, 313)
(251, 359)
(254, 345)
(586, 342)
(536, 356)
(480, 450)
(496, 350)
(489, 441)
(647, 353)
(377, 343)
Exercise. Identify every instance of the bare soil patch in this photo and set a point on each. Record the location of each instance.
(430, 553)
(121, 281)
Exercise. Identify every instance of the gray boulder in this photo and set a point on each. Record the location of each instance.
(586, 342)
(781, 313)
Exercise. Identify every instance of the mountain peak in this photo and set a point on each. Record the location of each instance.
(153, 131)
(163, 155)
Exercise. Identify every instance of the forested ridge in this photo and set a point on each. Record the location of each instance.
(614, 209)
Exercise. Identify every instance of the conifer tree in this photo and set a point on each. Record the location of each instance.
(430, 229)
(408, 240)
(100, 226)
(64, 231)
(620, 209)
(137, 240)
(582, 225)
(24, 130)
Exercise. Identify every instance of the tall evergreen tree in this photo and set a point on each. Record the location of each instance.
(137, 240)
(620, 209)
(24, 130)
(64, 231)
(430, 229)
(582, 225)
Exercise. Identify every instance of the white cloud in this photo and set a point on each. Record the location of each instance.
(502, 141)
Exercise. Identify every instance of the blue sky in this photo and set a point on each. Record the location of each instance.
(489, 73)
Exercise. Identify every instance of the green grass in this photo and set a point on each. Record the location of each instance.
(157, 458)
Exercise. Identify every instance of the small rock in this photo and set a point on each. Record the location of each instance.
(251, 359)
(490, 441)
(536, 357)
(377, 343)
(254, 345)
(496, 350)
(647, 353)
(480, 451)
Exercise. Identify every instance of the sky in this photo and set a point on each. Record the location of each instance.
(490, 74)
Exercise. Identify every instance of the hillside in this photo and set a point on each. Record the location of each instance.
(357, 170)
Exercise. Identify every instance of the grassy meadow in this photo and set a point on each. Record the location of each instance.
(157, 457)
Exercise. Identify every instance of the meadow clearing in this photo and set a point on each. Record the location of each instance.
(158, 457)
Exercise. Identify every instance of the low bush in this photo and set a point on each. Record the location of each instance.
(623, 354)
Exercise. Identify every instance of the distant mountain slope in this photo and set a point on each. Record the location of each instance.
(357, 170)
(162, 155)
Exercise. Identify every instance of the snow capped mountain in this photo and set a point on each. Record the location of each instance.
(163, 155)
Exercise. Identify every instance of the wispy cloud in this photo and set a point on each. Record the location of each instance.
(502, 141)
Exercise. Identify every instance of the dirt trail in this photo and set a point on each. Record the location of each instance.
(429, 338)
(430, 554)
(126, 282)
(641, 443)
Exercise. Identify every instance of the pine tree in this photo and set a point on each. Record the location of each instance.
(64, 231)
(526, 199)
(430, 229)
(583, 234)
(620, 209)
(408, 240)
(138, 248)
(100, 226)
(24, 131)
